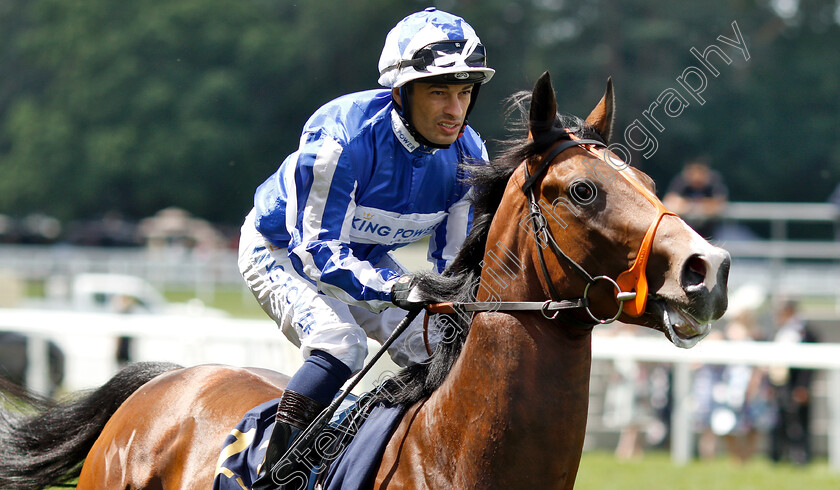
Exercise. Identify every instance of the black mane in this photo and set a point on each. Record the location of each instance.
(459, 282)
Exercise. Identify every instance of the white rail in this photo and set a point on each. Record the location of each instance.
(823, 356)
(89, 344)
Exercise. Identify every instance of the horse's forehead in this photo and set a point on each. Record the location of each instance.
(611, 161)
(624, 183)
(642, 177)
(601, 162)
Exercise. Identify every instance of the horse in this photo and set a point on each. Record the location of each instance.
(503, 401)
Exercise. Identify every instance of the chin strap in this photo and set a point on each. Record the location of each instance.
(404, 111)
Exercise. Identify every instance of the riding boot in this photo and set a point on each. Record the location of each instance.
(294, 413)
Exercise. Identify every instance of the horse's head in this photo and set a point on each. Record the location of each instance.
(605, 218)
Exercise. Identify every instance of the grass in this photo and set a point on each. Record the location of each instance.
(232, 300)
(601, 471)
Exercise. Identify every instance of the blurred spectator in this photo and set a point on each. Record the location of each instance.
(111, 230)
(124, 305)
(743, 400)
(733, 401)
(698, 194)
(34, 228)
(706, 378)
(175, 229)
(834, 198)
(627, 401)
(658, 431)
(790, 438)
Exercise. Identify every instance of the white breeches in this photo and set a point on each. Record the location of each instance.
(315, 321)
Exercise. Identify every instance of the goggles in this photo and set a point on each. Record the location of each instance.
(445, 54)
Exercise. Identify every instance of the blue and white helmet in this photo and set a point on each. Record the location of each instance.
(433, 43)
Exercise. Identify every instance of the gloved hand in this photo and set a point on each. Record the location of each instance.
(406, 295)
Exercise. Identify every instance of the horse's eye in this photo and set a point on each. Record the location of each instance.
(583, 191)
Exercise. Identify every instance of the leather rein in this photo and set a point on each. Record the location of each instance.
(630, 286)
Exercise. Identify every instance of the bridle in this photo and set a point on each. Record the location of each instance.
(631, 285)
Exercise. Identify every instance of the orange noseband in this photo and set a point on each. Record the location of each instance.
(631, 285)
(634, 278)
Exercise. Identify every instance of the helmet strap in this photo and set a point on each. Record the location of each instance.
(473, 98)
(404, 110)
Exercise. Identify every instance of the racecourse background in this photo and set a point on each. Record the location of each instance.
(782, 266)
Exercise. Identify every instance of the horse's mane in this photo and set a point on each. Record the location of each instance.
(459, 282)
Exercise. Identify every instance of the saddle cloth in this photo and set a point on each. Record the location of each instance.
(344, 456)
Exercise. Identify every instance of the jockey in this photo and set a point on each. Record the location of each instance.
(374, 171)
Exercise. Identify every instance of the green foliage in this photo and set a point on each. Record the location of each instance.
(135, 106)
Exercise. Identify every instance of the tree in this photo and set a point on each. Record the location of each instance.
(149, 104)
(107, 105)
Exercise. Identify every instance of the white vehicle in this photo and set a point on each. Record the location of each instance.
(99, 321)
(116, 293)
(120, 293)
(86, 319)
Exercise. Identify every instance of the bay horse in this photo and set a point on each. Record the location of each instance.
(503, 402)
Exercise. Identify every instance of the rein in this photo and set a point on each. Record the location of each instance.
(630, 286)
(303, 443)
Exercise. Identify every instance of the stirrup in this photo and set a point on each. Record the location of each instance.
(294, 414)
(278, 442)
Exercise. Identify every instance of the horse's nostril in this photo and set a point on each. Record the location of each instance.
(697, 265)
(694, 271)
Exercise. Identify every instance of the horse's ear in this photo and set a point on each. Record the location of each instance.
(601, 117)
(543, 106)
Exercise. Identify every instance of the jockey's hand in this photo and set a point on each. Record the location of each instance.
(406, 295)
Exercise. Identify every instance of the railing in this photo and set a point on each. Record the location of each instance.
(205, 269)
(86, 339)
(813, 356)
(780, 214)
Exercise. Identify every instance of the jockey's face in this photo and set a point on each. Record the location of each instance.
(438, 110)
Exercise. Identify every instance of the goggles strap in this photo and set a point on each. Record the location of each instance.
(420, 61)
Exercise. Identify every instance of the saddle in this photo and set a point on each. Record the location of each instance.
(344, 455)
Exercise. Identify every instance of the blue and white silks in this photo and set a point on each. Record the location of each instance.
(358, 187)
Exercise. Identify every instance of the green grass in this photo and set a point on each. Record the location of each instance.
(601, 471)
(232, 300)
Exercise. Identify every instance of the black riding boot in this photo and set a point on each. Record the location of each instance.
(294, 414)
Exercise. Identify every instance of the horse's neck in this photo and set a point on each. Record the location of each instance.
(512, 411)
(515, 403)
(519, 396)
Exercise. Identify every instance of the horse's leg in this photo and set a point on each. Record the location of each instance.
(170, 433)
(42, 449)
